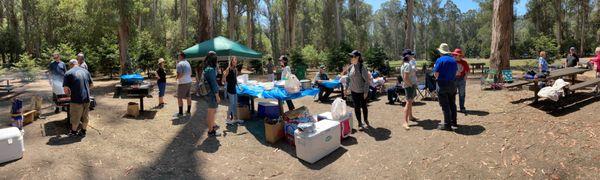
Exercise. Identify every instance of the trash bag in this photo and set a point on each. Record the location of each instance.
(242, 79)
(292, 84)
(555, 91)
(338, 108)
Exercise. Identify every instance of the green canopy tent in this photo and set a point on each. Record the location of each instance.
(223, 47)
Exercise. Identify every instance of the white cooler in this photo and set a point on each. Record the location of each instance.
(311, 147)
(11, 144)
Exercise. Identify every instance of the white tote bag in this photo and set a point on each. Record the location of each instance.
(292, 84)
(338, 108)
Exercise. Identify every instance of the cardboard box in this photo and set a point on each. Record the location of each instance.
(273, 132)
(133, 109)
(244, 112)
(29, 116)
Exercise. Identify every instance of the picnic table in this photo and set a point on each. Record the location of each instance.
(333, 84)
(277, 93)
(571, 72)
(477, 66)
(6, 87)
(134, 91)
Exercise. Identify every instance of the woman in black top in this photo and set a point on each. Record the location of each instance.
(161, 82)
(230, 82)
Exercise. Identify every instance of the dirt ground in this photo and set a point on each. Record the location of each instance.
(503, 136)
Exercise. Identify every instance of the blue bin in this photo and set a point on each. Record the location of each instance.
(268, 110)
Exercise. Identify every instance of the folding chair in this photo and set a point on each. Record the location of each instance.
(507, 76)
(428, 90)
(489, 79)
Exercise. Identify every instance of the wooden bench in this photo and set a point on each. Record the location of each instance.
(588, 83)
(517, 84)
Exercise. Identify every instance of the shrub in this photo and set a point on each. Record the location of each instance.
(375, 57)
(27, 65)
(337, 57)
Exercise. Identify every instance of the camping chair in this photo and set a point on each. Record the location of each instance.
(429, 89)
(507, 76)
(489, 79)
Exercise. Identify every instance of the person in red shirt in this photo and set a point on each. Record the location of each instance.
(461, 77)
(596, 65)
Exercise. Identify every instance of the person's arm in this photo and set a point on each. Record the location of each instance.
(179, 71)
(91, 80)
(211, 77)
(436, 73)
(66, 82)
(367, 78)
(224, 78)
(406, 79)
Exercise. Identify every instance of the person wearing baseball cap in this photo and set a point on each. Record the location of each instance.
(461, 77)
(77, 84)
(445, 69)
(359, 82)
(161, 82)
(572, 58)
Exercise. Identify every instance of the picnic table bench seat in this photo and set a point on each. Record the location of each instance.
(584, 84)
(517, 84)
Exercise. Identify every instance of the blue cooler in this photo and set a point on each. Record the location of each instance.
(268, 109)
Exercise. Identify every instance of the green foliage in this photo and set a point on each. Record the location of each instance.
(257, 65)
(337, 58)
(66, 51)
(27, 65)
(375, 57)
(544, 43)
(313, 56)
(298, 63)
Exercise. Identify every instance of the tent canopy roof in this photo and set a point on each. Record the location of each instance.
(223, 47)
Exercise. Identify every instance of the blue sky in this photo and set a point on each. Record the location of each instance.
(463, 5)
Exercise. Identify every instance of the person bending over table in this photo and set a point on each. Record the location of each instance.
(77, 84)
(324, 92)
(286, 72)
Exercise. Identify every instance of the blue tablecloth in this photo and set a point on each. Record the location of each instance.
(278, 93)
(331, 84)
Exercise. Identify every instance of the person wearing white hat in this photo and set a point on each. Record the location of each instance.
(445, 73)
(161, 82)
(81, 61)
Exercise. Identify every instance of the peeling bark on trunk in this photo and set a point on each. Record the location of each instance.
(408, 24)
(501, 30)
(204, 10)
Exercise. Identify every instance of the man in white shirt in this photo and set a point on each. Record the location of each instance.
(184, 84)
(81, 61)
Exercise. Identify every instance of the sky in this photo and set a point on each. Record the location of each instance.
(463, 5)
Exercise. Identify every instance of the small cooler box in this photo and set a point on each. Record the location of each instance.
(269, 110)
(11, 144)
(313, 146)
(345, 122)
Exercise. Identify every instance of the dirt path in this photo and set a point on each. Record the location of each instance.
(502, 137)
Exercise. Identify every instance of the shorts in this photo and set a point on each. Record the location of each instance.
(411, 92)
(184, 90)
(211, 100)
(161, 89)
(79, 112)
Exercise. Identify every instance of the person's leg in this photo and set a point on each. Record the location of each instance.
(76, 111)
(321, 92)
(328, 92)
(180, 94)
(290, 105)
(365, 110)
(235, 110)
(391, 95)
(210, 119)
(462, 84)
(443, 99)
(357, 101)
(161, 93)
(452, 101)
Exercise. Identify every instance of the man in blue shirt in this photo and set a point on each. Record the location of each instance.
(542, 63)
(445, 73)
(77, 84)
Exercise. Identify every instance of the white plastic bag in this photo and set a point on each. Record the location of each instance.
(292, 84)
(555, 91)
(338, 108)
(243, 79)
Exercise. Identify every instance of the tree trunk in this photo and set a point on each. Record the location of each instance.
(13, 29)
(408, 24)
(338, 23)
(183, 20)
(585, 6)
(250, 24)
(558, 27)
(124, 36)
(27, 34)
(501, 30)
(231, 11)
(217, 16)
(273, 29)
(204, 10)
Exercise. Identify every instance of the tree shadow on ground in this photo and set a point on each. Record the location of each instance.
(428, 124)
(567, 105)
(380, 134)
(179, 159)
(522, 100)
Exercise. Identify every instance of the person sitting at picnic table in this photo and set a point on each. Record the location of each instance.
(543, 70)
(324, 92)
(572, 58)
(461, 77)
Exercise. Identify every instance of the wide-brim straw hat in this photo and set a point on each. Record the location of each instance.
(444, 48)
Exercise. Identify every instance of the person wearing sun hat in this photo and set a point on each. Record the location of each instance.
(161, 82)
(445, 73)
(461, 77)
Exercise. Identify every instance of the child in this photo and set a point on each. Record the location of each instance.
(17, 113)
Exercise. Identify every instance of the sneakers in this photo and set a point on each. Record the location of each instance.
(214, 133)
(229, 122)
(81, 133)
(72, 133)
(361, 128)
(444, 127)
(177, 115)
